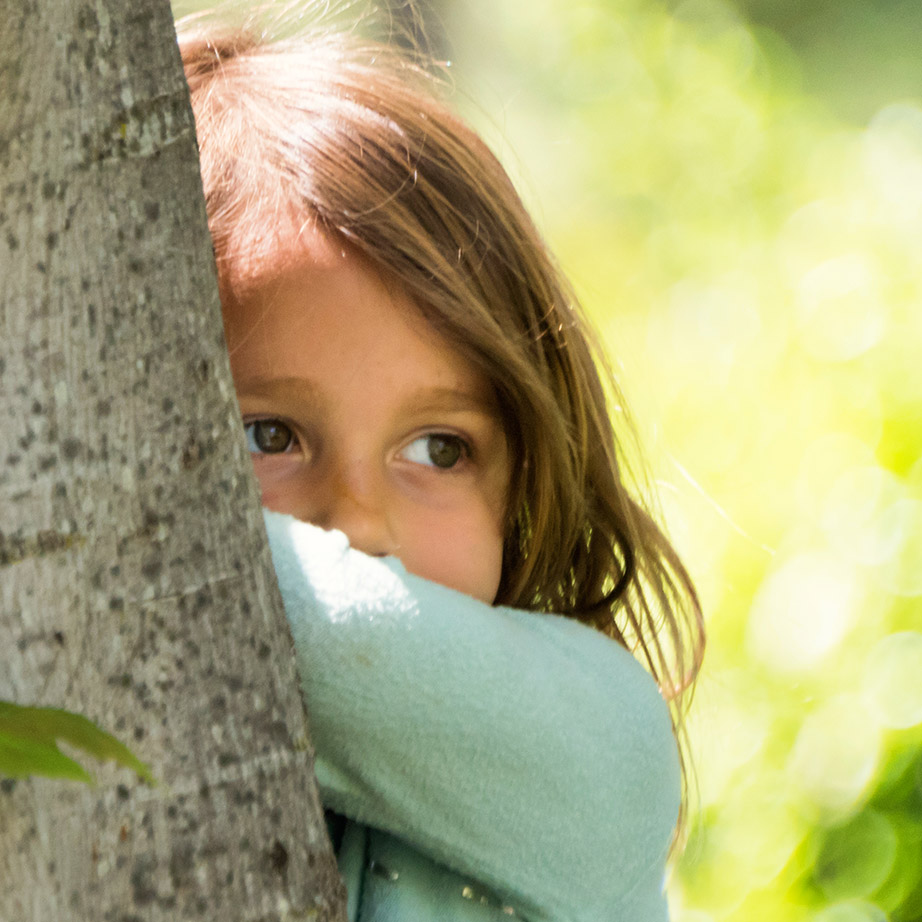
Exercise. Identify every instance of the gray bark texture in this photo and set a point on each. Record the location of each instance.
(136, 586)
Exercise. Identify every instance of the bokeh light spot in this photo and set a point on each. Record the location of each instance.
(906, 876)
(728, 736)
(850, 911)
(826, 459)
(836, 752)
(893, 680)
(863, 518)
(902, 574)
(840, 309)
(893, 157)
(802, 611)
(681, 914)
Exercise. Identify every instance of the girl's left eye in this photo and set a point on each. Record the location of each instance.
(438, 449)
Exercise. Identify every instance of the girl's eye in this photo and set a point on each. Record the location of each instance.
(439, 449)
(268, 436)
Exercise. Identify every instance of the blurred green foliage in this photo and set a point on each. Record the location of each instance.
(853, 53)
(736, 190)
(749, 255)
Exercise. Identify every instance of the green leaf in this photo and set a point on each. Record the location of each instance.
(29, 738)
(19, 758)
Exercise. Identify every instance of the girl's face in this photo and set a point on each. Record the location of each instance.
(360, 418)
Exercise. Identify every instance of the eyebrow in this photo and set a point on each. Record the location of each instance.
(277, 386)
(449, 398)
(425, 399)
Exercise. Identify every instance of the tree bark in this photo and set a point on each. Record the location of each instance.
(136, 586)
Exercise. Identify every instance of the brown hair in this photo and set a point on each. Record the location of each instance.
(354, 138)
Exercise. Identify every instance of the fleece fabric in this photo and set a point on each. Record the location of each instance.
(492, 763)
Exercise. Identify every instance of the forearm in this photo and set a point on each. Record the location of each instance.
(523, 749)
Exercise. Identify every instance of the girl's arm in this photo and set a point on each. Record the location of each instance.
(525, 750)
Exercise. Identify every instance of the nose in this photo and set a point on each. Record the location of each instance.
(353, 500)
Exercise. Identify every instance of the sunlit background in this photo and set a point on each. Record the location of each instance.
(736, 189)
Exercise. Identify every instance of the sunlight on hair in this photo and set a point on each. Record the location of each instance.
(400, 22)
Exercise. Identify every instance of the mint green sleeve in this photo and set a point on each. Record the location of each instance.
(525, 750)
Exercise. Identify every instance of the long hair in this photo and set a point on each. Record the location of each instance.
(353, 138)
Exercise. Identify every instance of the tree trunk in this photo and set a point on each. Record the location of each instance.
(135, 582)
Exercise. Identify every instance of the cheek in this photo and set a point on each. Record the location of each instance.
(492, 572)
(466, 555)
(278, 492)
(275, 498)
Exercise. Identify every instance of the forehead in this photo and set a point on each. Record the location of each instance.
(316, 310)
(285, 282)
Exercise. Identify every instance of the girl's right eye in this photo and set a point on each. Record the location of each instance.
(442, 450)
(269, 437)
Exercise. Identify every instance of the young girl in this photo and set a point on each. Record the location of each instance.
(416, 379)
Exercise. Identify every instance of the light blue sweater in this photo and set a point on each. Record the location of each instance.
(493, 763)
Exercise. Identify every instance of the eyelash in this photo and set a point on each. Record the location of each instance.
(462, 445)
(252, 443)
(451, 440)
